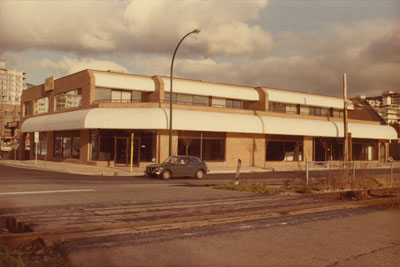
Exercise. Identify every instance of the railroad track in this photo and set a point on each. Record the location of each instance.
(85, 222)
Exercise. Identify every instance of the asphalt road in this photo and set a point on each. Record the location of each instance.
(26, 188)
(355, 237)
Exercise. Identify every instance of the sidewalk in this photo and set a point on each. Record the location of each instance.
(66, 167)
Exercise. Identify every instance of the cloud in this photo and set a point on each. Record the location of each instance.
(366, 51)
(87, 27)
(71, 65)
(231, 47)
(57, 25)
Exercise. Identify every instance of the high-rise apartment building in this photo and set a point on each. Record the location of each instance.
(12, 83)
(387, 105)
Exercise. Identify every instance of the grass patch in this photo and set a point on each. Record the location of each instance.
(251, 187)
(340, 182)
(33, 256)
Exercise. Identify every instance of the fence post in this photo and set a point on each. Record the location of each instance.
(307, 175)
(354, 171)
(391, 174)
(239, 164)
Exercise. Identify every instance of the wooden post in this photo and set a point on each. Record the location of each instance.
(239, 164)
(307, 173)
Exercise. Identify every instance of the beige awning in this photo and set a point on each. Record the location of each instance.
(158, 118)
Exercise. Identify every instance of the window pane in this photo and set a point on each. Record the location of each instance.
(67, 147)
(291, 109)
(116, 96)
(304, 110)
(237, 104)
(42, 105)
(147, 148)
(324, 111)
(213, 150)
(27, 108)
(218, 102)
(126, 96)
(185, 99)
(95, 144)
(275, 151)
(70, 99)
(58, 147)
(102, 94)
(76, 147)
(136, 96)
(167, 97)
(200, 100)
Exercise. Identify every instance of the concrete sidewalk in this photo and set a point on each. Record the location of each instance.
(66, 167)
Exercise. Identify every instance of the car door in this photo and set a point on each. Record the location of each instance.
(192, 166)
(179, 168)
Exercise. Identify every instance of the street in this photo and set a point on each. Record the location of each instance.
(138, 221)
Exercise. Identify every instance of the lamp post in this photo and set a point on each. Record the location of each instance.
(170, 92)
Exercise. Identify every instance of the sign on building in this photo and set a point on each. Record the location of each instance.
(36, 137)
(49, 83)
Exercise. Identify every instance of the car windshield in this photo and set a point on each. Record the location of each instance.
(171, 160)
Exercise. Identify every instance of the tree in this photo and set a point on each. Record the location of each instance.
(186, 138)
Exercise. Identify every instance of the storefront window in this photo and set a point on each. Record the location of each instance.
(365, 150)
(284, 150)
(94, 141)
(67, 144)
(207, 146)
(328, 149)
(147, 146)
(42, 145)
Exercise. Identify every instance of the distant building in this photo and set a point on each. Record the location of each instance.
(88, 118)
(12, 83)
(387, 105)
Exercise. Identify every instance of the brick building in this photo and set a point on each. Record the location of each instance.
(88, 118)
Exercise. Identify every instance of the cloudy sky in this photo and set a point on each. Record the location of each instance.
(301, 45)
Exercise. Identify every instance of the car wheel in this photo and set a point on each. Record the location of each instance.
(199, 174)
(166, 175)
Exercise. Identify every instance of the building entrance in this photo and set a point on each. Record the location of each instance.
(115, 146)
(123, 151)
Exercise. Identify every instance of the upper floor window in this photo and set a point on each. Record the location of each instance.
(337, 113)
(70, 99)
(231, 103)
(27, 108)
(118, 96)
(282, 108)
(41, 105)
(304, 110)
(187, 99)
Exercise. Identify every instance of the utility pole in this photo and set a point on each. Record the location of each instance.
(346, 131)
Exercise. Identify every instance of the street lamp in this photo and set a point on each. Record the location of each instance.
(170, 92)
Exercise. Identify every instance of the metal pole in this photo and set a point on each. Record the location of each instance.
(36, 148)
(171, 91)
(132, 136)
(345, 146)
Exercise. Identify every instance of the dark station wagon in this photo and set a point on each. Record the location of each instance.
(178, 166)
